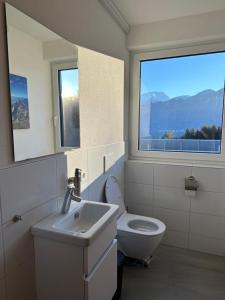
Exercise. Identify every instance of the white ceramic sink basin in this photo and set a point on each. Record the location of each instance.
(80, 226)
(83, 218)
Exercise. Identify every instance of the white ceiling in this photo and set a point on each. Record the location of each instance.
(138, 12)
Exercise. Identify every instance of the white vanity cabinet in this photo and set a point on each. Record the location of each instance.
(66, 270)
(101, 283)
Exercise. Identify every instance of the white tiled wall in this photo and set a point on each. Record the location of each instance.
(18, 241)
(34, 190)
(27, 184)
(29, 190)
(158, 190)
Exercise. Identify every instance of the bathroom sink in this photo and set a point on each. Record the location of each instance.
(83, 218)
(80, 226)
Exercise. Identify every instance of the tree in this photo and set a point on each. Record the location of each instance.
(205, 133)
(168, 135)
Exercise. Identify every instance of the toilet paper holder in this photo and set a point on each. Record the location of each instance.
(191, 184)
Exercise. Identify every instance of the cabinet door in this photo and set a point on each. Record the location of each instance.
(94, 252)
(102, 282)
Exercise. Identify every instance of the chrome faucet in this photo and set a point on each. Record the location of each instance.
(72, 191)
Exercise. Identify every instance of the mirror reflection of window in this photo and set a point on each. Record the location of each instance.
(69, 107)
(40, 101)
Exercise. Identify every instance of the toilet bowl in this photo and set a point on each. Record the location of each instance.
(138, 236)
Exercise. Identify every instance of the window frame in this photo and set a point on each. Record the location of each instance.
(176, 157)
(55, 68)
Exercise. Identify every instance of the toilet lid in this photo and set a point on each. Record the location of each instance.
(113, 194)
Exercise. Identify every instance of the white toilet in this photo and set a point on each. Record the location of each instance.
(138, 236)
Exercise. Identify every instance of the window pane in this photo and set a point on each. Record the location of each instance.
(181, 103)
(69, 108)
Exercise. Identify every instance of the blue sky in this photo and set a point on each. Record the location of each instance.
(184, 75)
(18, 86)
(70, 82)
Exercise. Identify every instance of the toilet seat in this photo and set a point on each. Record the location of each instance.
(130, 223)
(135, 224)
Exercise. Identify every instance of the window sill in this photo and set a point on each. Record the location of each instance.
(179, 162)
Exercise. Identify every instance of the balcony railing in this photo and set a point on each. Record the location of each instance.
(180, 145)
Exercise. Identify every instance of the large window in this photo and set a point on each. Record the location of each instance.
(181, 103)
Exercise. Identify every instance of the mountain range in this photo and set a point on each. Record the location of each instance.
(160, 114)
(20, 113)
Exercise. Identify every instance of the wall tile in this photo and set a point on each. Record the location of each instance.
(117, 150)
(62, 174)
(96, 189)
(2, 289)
(139, 172)
(21, 282)
(85, 194)
(77, 159)
(202, 216)
(18, 239)
(118, 171)
(208, 203)
(140, 209)
(208, 245)
(96, 159)
(1, 256)
(95, 163)
(139, 193)
(175, 238)
(210, 179)
(174, 220)
(171, 198)
(170, 176)
(27, 186)
(97, 177)
(208, 226)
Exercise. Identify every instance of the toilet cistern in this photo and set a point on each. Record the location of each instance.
(72, 191)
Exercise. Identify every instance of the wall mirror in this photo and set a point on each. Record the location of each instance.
(44, 88)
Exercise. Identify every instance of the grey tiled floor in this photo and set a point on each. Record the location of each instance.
(176, 274)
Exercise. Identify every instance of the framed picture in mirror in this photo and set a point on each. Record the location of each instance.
(19, 102)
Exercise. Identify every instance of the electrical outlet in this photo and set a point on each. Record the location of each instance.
(83, 176)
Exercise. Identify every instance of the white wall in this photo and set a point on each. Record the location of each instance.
(26, 59)
(32, 188)
(157, 190)
(101, 93)
(177, 32)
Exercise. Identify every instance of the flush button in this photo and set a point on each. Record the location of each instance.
(17, 218)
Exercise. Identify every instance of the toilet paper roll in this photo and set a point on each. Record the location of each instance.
(189, 193)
